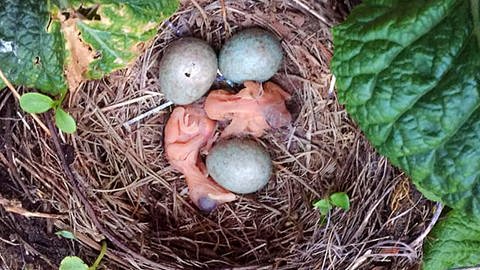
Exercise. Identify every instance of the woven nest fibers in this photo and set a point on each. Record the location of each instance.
(112, 182)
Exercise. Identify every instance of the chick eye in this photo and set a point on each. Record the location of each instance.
(207, 204)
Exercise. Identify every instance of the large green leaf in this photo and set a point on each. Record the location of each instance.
(33, 38)
(453, 243)
(30, 53)
(408, 73)
(120, 29)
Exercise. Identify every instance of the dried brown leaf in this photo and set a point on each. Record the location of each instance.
(80, 54)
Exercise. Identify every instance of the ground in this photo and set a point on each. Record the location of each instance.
(28, 243)
(25, 243)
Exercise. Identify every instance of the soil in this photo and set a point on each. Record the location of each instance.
(27, 243)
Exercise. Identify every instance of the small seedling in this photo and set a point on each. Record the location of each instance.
(338, 199)
(74, 262)
(40, 103)
(66, 234)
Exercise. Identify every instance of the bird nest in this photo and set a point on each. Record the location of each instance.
(112, 180)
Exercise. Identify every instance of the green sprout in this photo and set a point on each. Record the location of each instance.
(40, 103)
(338, 199)
(74, 262)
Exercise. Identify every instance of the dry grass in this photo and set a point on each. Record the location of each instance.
(143, 202)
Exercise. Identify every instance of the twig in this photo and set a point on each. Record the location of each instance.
(25, 123)
(303, 80)
(224, 17)
(313, 12)
(4, 263)
(81, 193)
(438, 211)
(394, 248)
(128, 102)
(360, 260)
(15, 207)
(147, 114)
(9, 85)
(9, 242)
(17, 96)
(332, 85)
(200, 9)
(370, 213)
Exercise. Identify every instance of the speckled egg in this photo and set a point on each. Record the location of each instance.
(253, 54)
(188, 69)
(239, 165)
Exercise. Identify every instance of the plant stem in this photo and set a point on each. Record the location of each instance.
(17, 96)
(100, 256)
(436, 215)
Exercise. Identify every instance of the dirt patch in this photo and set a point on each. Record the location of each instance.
(26, 243)
(30, 242)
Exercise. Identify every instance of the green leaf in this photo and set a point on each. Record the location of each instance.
(323, 206)
(340, 199)
(35, 103)
(30, 53)
(33, 39)
(66, 234)
(454, 242)
(408, 74)
(65, 121)
(72, 263)
(123, 26)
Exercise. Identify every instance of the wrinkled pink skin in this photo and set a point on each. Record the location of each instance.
(188, 132)
(253, 110)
